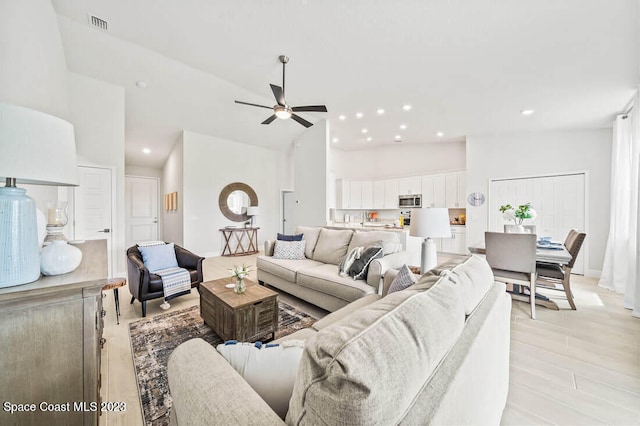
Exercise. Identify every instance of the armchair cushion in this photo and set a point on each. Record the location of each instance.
(159, 257)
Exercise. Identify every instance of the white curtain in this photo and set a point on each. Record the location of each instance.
(621, 270)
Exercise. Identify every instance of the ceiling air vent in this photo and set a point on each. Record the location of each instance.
(98, 22)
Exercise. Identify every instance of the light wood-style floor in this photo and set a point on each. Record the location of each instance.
(567, 367)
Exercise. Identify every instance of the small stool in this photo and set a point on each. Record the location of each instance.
(114, 284)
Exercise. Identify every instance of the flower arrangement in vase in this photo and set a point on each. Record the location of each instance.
(240, 273)
(524, 211)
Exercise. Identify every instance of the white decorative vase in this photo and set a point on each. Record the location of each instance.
(59, 258)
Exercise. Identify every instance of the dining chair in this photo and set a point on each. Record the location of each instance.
(512, 258)
(552, 275)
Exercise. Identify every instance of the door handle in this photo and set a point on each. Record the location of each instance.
(105, 230)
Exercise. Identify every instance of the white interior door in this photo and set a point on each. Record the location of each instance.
(141, 210)
(92, 209)
(558, 200)
(288, 212)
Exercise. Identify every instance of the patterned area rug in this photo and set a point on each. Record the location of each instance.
(153, 340)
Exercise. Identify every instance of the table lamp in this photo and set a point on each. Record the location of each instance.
(429, 223)
(253, 211)
(37, 148)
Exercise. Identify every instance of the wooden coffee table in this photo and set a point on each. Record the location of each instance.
(243, 317)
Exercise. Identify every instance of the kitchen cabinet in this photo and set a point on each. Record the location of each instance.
(378, 194)
(356, 195)
(455, 188)
(433, 190)
(409, 186)
(458, 241)
(391, 194)
(367, 195)
(343, 194)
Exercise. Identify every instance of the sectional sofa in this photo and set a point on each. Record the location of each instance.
(316, 279)
(434, 353)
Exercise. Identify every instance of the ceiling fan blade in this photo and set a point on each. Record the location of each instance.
(256, 105)
(301, 120)
(277, 92)
(310, 108)
(269, 120)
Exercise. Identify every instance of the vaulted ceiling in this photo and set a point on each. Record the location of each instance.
(465, 67)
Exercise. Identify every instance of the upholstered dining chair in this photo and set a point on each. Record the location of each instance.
(552, 275)
(512, 258)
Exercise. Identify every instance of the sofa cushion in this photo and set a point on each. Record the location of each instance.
(360, 266)
(390, 240)
(343, 312)
(402, 337)
(325, 279)
(310, 236)
(404, 279)
(284, 268)
(269, 369)
(475, 278)
(289, 250)
(332, 245)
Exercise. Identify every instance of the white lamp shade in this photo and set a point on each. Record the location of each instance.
(430, 223)
(253, 211)
(37, 148)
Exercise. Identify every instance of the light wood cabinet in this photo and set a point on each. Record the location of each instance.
(51, 334)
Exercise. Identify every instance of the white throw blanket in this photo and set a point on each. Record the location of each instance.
(175, 282)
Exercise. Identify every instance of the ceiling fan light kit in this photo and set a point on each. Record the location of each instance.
(281, 109)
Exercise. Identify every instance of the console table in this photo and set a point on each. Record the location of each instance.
(51, 334)
(240, 241)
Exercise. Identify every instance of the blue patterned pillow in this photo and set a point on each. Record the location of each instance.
(289, 250)
(404, 279)
(284, 237)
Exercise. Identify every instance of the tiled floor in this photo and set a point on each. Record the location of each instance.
(567, 367)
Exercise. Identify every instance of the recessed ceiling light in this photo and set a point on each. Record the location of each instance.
(342, 117)
(141, 84)
(406, 107)
(439, 134)
(335, 140)
(146, 150)
(398, 137)
(369, 139)
(403, 126)
(380, 111)
(359, 115)
(365, 131)
(527, 111)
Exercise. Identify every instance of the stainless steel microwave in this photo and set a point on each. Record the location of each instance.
(409, 201)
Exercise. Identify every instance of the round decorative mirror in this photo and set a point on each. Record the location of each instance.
(234, 200)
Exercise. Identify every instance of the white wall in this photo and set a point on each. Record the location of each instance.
(173, 181)
(210, 164)
(130, 170)
(397, 160)
(96, 110)
(530, 154)
(310, 176)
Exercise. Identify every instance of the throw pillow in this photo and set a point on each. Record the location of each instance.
(360, 267)
(404, 279)
(289, 250)
(270, 369)
(156, 258)
(347, 261)
(284, 237)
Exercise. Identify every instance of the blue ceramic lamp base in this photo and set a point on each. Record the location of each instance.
(19, 254)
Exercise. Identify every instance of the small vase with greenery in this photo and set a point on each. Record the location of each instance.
(240, 273)
(524, 211)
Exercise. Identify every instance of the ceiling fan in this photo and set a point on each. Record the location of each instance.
(281, 109)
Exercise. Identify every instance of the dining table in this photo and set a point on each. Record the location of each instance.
(549, 253)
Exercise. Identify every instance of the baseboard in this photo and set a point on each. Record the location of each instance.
(593, 273)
